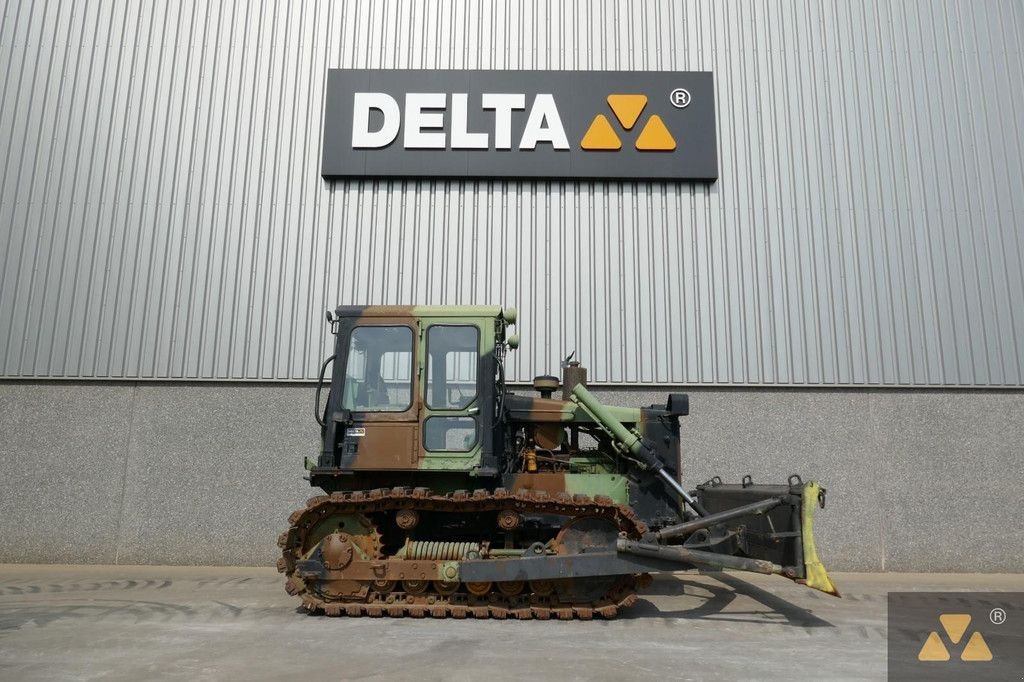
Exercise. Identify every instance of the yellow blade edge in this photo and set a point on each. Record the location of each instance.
(816, 575)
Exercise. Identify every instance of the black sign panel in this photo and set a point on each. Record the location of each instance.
(523, 124)
(956, 636)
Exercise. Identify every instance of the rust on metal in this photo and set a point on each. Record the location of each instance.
(407, 519)
(550, 498)
(337, 551)
(509, 519)
(375, 586)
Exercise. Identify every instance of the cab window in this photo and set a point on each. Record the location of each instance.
(378, 374)
(451, 366)
(451, 434)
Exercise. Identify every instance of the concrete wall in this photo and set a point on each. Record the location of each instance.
(207, 473)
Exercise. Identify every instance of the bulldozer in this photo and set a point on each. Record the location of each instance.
(446, 494)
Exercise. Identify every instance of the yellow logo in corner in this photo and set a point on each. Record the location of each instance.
(654, 137)
(955, 625)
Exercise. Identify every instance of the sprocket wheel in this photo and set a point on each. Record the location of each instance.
(359, 530)
(340, 537)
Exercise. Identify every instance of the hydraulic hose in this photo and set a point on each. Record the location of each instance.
(632, 444)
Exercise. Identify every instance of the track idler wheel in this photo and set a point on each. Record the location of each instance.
(445, 589)
(415, 586)
(384, 586)
(542, 588)
(511, 588)
(509, 520)
(407, 519)
(479, 589)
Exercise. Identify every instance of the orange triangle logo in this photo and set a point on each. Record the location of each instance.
(955, 625)
(627, 108)
(933, 649)
(600, 136)
(655, 137)
(976, 649)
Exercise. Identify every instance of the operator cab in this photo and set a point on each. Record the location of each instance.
(413, 388)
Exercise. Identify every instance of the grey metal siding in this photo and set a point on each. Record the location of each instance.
(162, 213)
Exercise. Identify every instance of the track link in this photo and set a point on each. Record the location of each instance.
(431, 603)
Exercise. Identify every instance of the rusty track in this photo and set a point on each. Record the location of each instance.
(381, 601)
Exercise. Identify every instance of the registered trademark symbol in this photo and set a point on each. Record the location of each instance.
(680, 98)
(997, 616)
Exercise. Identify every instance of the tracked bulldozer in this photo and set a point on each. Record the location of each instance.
(448, 495)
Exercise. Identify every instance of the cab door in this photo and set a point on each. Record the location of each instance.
(379, 390)
(451, 397)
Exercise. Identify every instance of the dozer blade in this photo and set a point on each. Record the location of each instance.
(815, 574)
(779, 527)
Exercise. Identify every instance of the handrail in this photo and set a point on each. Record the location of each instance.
(321, 418)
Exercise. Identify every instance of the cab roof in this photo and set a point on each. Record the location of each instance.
(418, 311)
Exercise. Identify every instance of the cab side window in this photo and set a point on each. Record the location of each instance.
(378, 374)
(450, 434)
(452, 355)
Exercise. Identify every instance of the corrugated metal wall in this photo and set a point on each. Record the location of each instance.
(163, 215)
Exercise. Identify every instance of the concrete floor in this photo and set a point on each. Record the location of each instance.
(143, 622)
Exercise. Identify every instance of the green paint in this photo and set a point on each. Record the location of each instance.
(628, 439)
(446, 461)
(483, 319)
(457, 311)
(615, 486)
(574, 412)
(592, 465)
